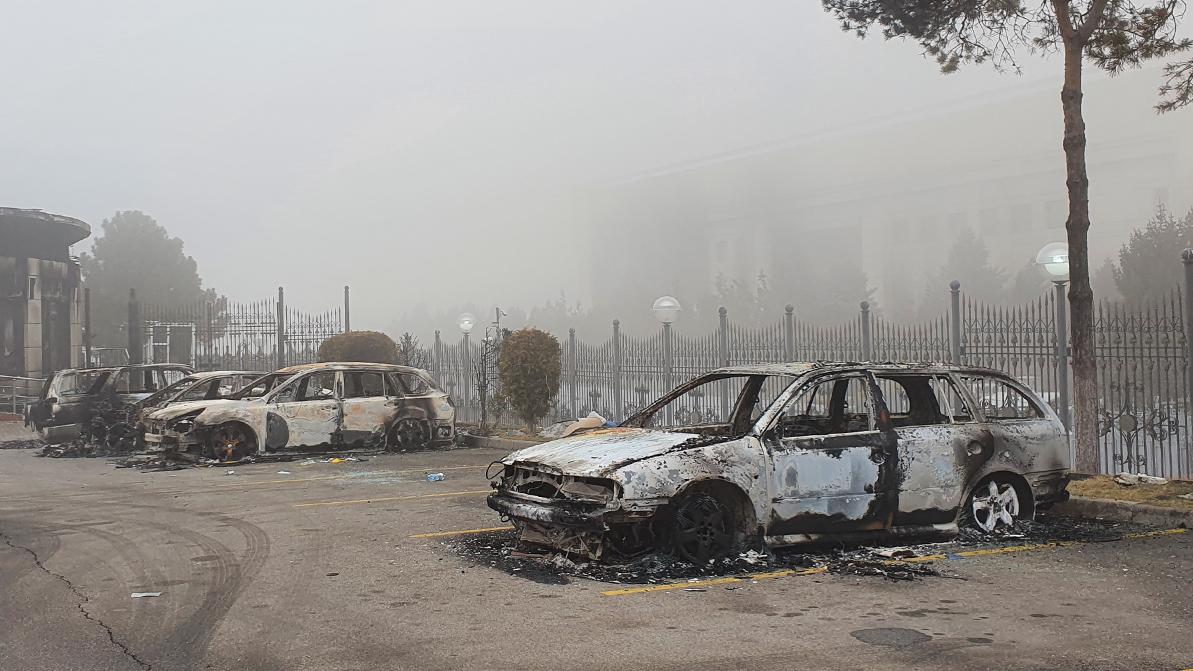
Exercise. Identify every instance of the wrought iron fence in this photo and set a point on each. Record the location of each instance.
(1145, 396)
(214, 335)
(18, 392)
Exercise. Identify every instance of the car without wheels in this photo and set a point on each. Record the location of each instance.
(783, 454)
(312, 405)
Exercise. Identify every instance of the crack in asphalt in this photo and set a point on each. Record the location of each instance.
(82, 599)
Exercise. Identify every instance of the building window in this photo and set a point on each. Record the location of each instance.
(32, 289)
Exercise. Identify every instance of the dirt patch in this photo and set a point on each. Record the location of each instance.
(1104, 487)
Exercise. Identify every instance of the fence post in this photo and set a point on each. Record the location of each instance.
(1062, 353)
(1187, 258)
(281, 329)
(136, 333)
(572, 372)
(618, 405)
(347, 323)
(867, 335)
(955, 321)
(86, 328)
(437, 359)
(789, 332)
(209, 333)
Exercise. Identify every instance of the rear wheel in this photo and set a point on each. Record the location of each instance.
(703, 529)
(409, 434)
(232, 442)
(994, 504)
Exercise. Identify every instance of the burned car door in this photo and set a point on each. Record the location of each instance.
(1026, 437)
(305, 412)
(831, 465)
(940, 442)
(368, 405)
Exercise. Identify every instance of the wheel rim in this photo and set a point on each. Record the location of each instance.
(995, 505)
(702, 530)
(410, 434)
(230, 443)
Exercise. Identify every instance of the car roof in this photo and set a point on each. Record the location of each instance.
(798, 368)
(208, 374)
(348, 365)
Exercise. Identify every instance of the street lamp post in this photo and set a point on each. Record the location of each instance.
(466, 321)
(1053, 261)
(666, 309)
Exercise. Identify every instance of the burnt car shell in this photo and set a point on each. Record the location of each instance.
(71, 397)
(803, 453)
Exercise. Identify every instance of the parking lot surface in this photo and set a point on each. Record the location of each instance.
(359, 565)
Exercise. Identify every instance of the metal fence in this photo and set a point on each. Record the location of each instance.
(18, 392)
(1145, 396)
(225, 335)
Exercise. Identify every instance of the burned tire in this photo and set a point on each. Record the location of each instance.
(231, 442)
(703, 529)
(994, 504)
(407, 435)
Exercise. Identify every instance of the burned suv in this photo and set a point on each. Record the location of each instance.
(88, 401)
(793, 453)
(312, 405)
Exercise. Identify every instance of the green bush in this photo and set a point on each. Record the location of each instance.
(529, 368)
(368, 346)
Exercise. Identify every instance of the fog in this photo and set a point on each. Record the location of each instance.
(439, 154)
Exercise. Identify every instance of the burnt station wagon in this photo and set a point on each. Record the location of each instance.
(793, 453)
(336, 404)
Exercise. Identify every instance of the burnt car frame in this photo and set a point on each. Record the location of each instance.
(70, 399)
(313, 405)
(784, 454)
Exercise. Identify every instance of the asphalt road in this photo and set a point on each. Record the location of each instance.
(318, 569)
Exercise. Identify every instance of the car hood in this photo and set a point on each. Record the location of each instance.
(180, 409)
(598, 453)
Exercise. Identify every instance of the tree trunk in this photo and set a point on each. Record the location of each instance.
(1081, 296)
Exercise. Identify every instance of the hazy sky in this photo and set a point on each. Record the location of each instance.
(418, 151)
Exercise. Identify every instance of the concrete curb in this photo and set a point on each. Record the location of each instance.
(507, 444)
(1125, 511)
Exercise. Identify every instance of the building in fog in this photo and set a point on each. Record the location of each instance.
(39, 292)
(890, 195)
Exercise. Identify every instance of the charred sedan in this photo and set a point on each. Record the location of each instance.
(337, 404)
(793, 453)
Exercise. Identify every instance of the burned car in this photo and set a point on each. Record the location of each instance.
(784, 454)
(313, 405)
(88, 401)
(204, 386)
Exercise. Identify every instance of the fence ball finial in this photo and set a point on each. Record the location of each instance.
(865, 306)
(789, 308)
(722, 311)
(1187, 256)
(617, 322)
(955, 285)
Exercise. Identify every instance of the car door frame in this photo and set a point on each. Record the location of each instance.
(282, 419)
(867, 506)
(367, 418)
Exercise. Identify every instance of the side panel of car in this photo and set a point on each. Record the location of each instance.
(309, 410)
(370, 402)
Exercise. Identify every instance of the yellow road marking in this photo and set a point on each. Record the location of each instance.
(965, 554)
(343, 476)
(463, 532)
(665, 587)
(390, 498)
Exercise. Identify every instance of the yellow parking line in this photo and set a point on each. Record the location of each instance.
(390, 498)
(463, 532)
(696, 584)
(342, 476)
(965, 554)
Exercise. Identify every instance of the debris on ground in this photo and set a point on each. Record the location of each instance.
(25, 444)
(436, 477)
(1132, 479)
(500, 550)
(142, 595)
